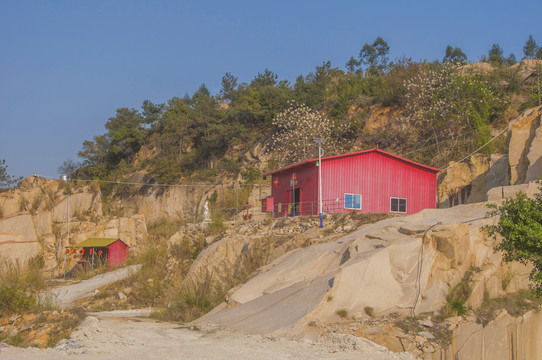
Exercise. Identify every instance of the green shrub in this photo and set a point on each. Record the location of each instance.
(457, 297)
(516, 304)
(519, 232)
(343, 313)
(13, 301)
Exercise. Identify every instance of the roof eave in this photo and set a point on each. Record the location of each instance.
(425, 167)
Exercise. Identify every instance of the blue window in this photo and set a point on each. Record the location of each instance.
(352, 201)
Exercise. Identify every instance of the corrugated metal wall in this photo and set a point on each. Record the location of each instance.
(307, 183)
(118, 253)
(377, 177)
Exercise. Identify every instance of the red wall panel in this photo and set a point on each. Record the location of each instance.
(118, 253)
(307, 183)
(375, 175)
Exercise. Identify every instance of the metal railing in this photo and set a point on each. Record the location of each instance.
(283, 209)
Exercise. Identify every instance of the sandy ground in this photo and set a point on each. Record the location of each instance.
(136, 338)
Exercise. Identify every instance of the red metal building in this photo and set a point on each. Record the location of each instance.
(370, 181)
(113, 252)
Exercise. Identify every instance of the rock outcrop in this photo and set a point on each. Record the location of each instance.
(34, 221)
(470, 181)
(506, 337)
(525, 147)
(398, 265)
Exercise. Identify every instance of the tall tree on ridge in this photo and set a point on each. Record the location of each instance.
(375, 56)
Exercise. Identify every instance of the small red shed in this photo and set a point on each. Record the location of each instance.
(113, 252)
(370, 181)
(267, 204)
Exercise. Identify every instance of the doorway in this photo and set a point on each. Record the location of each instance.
(297, 202)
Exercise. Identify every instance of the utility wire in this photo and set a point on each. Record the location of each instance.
(144, 184)
(480, 148)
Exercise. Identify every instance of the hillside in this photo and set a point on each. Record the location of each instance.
(433, 113)
(180, 184)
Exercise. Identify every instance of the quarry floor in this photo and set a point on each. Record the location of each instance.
(141, 338)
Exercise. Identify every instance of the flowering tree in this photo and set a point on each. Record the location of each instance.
(449, 112)
(297, 129)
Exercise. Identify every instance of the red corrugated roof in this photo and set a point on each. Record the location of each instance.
(353, 154)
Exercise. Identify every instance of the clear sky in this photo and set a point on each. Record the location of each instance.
(66, 66)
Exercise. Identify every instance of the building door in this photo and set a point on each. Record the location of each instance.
(297, 202)
(293, 201)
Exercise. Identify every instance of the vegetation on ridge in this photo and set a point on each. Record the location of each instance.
(444, 111)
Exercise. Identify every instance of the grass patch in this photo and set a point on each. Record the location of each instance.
(191, 301)
(408, 325)
(63, 328)
(36, 203)
(217, 226)
(458, 295)
(515, 304)
(19, 286)
(20, 339)
(343, 313)
(164, 228)
(369, 311)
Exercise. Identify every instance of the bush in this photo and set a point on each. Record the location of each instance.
(457, 297)
(13, 301)
(519, 232)
(19, 286)
(343, 313)
(191, 301)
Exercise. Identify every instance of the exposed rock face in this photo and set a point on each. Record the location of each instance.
(18, 239)
(464, 183)
(35, 222)
(527, 69)
(498, 171)
(525, 148)
(260, 244)
(506, 337)
(505, 192)
(470, 181)
(377, 266)
(181, 201)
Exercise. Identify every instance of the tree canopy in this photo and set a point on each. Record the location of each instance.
(6, 181)
(454, 55)
(443, 112)
(530, 48)
(375, 56)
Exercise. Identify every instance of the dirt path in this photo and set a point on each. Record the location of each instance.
(116, 338)
(63, 296)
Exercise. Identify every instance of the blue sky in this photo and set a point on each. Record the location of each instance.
(66, 66)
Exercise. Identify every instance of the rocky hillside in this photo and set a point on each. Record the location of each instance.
(388, 272)
(34, 222)
(468, 182)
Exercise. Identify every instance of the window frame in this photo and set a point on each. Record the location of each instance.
(398, 205)
(353, 202)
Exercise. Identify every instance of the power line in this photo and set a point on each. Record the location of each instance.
(145, 184)
(480, 148)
